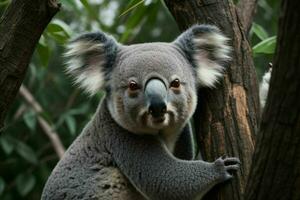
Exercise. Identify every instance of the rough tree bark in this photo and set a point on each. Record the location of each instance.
(275, 172)
(21, 26)
(227, 117)
(246, 10)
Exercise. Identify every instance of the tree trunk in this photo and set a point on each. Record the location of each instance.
(227, 117)
(275, 172)
(21, 26)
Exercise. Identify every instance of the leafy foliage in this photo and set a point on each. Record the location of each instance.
(263, 33)
(26, 154)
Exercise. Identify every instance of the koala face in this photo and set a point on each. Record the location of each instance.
(151, 87)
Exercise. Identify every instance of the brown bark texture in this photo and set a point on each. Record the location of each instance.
(227, 117)
(246, 10)
(21, 26)
(275, 172)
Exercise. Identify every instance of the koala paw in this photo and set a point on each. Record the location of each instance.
(227, 165)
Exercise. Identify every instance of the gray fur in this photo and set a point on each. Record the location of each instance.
(184, 145)
(124, 152)
(94, 165)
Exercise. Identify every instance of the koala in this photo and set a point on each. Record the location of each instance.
(264, 88)
(138, 144)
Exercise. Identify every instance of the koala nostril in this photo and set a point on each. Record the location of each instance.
(157, 109)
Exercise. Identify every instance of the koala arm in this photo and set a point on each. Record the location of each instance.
(157, 174)
(184, 145)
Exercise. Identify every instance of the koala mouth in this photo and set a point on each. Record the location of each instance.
(156, 123)
(158, 120)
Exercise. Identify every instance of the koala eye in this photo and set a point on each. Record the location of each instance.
(133, 86)
(175, 83)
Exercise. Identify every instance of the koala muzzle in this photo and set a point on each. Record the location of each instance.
(156, 95)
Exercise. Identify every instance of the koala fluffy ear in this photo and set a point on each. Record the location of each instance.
(90, 58)
(206, 48)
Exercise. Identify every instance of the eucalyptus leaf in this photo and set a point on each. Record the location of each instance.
(7, 144)
(59, 26)
(60, 37)
(25, 183)
(43, 41)
(30, 119)
(59, 31)
(2, 185)
(69, 3)
(71, 123)
(80, 110)
(26, 152)
(132, 5)
(133, 21)
(266, 46)
(90, 9)
(44, 54)
(259, 31)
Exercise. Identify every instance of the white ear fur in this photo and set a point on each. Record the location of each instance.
(207, 49)
(209, 70)
(88, 57)
(264, 88)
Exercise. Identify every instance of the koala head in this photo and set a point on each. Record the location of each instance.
(150, 87)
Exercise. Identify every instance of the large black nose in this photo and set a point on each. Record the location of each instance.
(157, 108)
(156, 96)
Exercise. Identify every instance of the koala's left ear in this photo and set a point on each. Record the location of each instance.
(90, 58)
(206, 48)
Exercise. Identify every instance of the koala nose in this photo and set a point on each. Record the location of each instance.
(157, 109)
(156, 95)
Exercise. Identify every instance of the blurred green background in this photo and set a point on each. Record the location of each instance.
(26, 154)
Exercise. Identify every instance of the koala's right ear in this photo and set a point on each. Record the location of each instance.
(90, 58)
(207, 49)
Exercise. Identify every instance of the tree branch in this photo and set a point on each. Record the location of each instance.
(246, 10)
(48, 130)
(21, 26)
(275, 172)
(226, 118)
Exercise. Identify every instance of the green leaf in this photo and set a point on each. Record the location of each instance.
(259, 31)
(59, 26)
(60, 37)
(59, 31)
(70, 3)
(132, 5)
(43, 41)
(30, 120)
(90, 9)
(5, 2)
(148, 2)
(43, 51)
(71, 123)
(25, 183)
(2, 185)
(26, 152)
(153, 12)
(7, 144)
(133, 21)
(266, 46)
(80, 110)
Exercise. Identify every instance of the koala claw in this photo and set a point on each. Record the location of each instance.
(232, 167)
(231, 160)
(227, 164)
